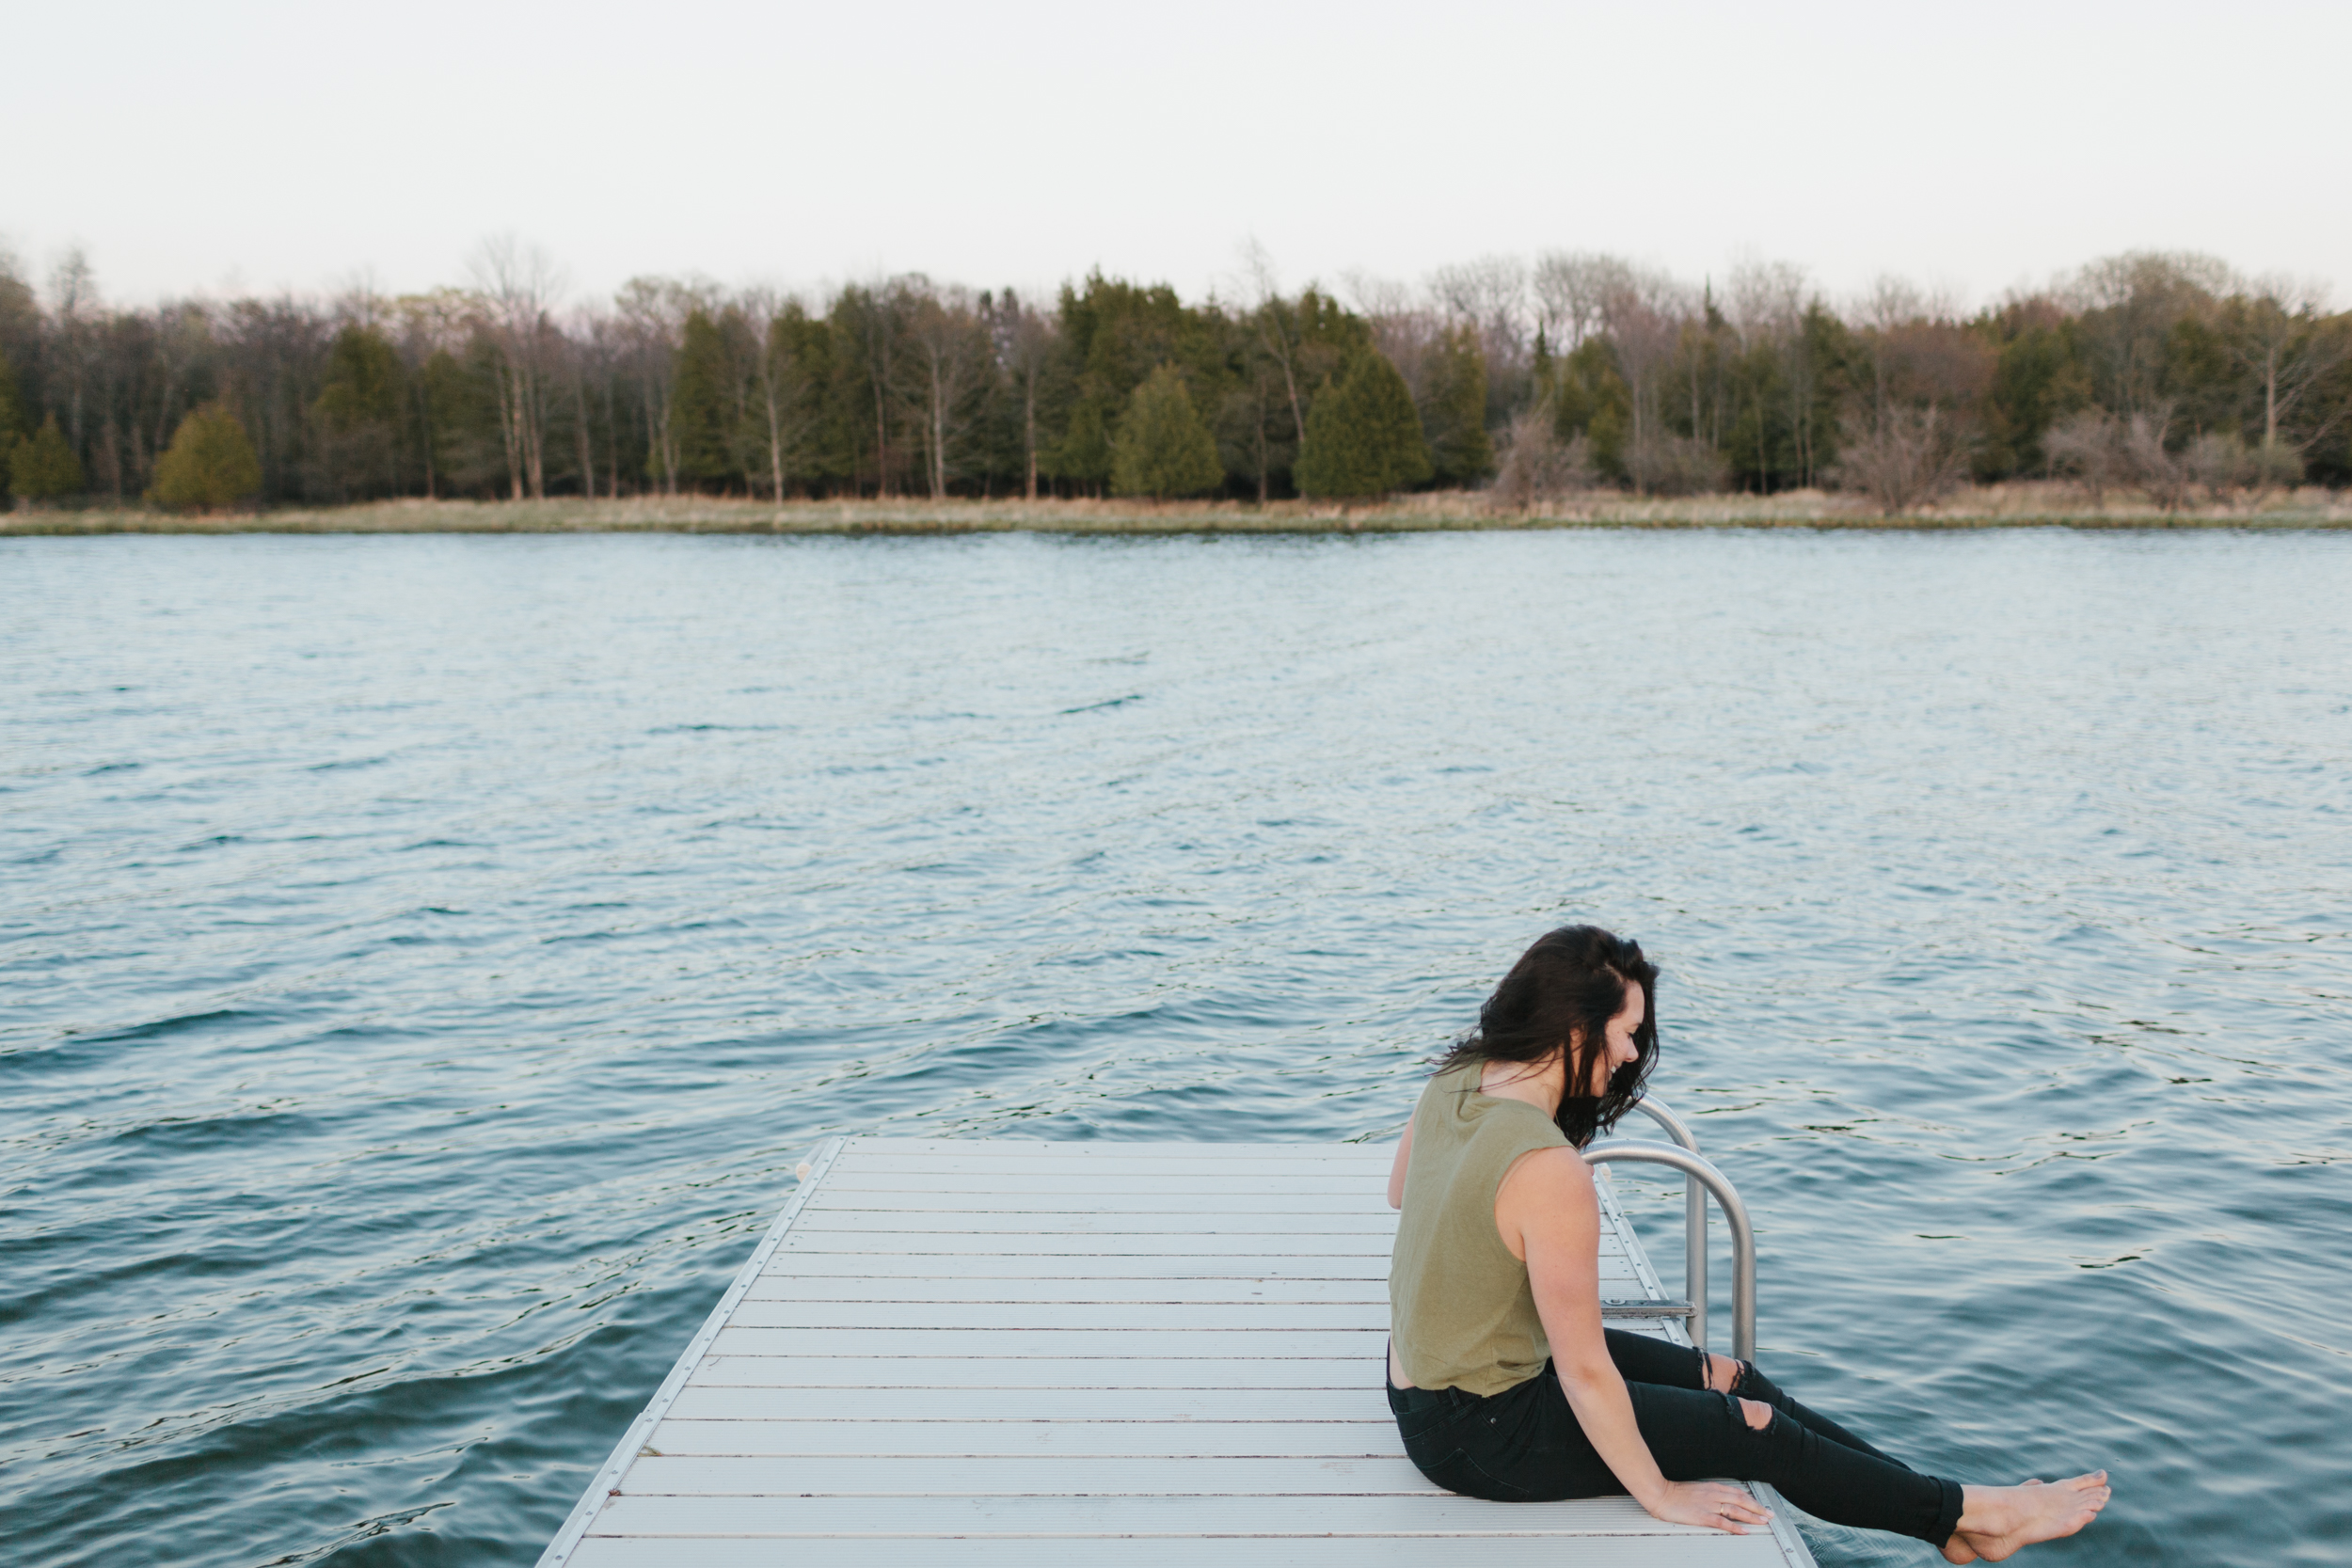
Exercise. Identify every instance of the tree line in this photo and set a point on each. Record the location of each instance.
(2164, 372)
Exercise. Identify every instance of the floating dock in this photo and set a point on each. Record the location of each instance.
(993, 1353)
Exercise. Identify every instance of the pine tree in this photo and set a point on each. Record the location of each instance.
(698, 407)
(209, 465)
(1164, 450)
(1460, 449)
(45, 467)
(457, 421)
(363, 382)
(1083, 455)
(1362, 435)
(12, 411)
(359, 411)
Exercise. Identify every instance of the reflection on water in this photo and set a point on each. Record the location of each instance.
(427, 958)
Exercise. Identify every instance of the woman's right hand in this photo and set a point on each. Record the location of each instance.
(1711, 1503)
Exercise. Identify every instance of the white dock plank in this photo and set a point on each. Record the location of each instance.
(1075, 1343)
(1042, 1371)
(1013, 1355)
(933, 1475)
(1208, 1182)
(1082, 1408)
(1059, 1198)
(1111, 1244)
(1088, 1166)
(1375, 1230)
(1089, 1439)
(964, 1288)
(1244, 1317)
(1010, 1265)
(1632, 1550)
(1339, 1513)
(1373, 1154)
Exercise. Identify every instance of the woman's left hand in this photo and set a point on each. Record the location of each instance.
(1709, 1503)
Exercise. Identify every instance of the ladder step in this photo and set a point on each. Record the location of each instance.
(1645, 1308)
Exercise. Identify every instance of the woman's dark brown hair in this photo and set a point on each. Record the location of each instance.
(1565, 989)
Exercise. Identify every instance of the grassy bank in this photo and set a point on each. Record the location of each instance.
(2024, 505)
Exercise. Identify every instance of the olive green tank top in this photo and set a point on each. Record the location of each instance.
(1460, 1312)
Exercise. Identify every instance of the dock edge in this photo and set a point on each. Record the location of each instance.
(640, 1429)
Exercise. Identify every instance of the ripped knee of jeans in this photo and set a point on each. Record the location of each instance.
(1758, 1414)
(1753, 1384)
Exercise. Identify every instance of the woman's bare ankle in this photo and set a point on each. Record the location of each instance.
(1996, 1521)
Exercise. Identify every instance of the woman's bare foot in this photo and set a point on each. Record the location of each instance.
(1957, 1550)
(1994, 1521)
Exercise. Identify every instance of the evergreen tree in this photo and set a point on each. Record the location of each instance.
(363, 382)
(1607, 431)
(2036, 383)
(45, 467)
(1164, 450)
(12, 410)
(457, 424)
(209, 465)
(358, 413)
(699, 412)
(1589, 398)
(1362, 435)
(1455, 421)
(1083, 455)
(1109, 339)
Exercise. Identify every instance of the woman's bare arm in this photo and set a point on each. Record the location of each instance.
(1549, 1215)
(1397, 1171)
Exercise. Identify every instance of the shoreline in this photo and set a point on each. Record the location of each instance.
(2038, 505)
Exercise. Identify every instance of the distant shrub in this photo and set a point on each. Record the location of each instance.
(210, 463)
(1907, 457)
(1671, 464)
(44, 467)
(1537, 465)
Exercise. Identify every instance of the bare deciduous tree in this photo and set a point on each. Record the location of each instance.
(2166, 475)
(520, 286)
(1769, 301)
(1491, 295)
(652, 312)
(1025, 346)
(2276, 334)
(1277, 325)
(948, 360)
(2128, 307)
(1643, 311)
(1572, 289)
(2086, 445)
(1536, 464)
(1903, 458)
(783, 395)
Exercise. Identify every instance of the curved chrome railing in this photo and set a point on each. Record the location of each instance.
(1693, 1218)
(1699, 1178)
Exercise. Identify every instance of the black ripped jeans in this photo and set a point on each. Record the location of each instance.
(1524, 1444)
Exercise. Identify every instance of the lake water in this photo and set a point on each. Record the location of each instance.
(426, 959)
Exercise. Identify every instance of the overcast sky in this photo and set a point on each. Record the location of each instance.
(245, 145)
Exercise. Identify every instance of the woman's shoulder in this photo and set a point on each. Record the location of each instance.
(1461, 1078)
(1482, 1118)
(1524, 1124)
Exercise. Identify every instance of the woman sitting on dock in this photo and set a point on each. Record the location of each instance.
(1505, 1383)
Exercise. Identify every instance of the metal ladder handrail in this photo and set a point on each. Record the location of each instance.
(1693, 1218)
(1699, 1178)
